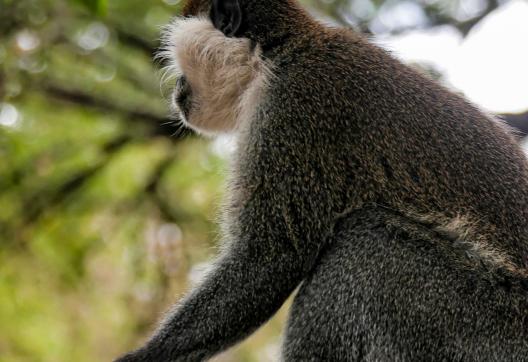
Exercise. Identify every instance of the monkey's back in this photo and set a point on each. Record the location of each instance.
(388, 289)
(392, 136)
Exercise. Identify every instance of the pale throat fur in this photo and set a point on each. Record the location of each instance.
(228, 76)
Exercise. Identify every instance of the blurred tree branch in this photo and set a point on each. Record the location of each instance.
(152, 190)
(136, 41)
(341, 11)
(441, 18)
(159, 126)
(43, 200)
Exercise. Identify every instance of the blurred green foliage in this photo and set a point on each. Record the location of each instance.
(98, 7)
(107, 208)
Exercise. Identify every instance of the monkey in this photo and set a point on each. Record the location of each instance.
(397, 209)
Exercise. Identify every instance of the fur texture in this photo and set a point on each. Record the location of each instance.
(426, 300)
(400, 207)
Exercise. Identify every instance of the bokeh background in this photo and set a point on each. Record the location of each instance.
(108, 208)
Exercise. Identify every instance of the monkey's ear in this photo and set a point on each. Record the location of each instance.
(226, 16)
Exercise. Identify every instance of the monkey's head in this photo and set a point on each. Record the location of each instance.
(216, 53)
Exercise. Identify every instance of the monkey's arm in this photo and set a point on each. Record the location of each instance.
(251, 280)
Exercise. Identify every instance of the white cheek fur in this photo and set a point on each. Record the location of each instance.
(226, 75)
